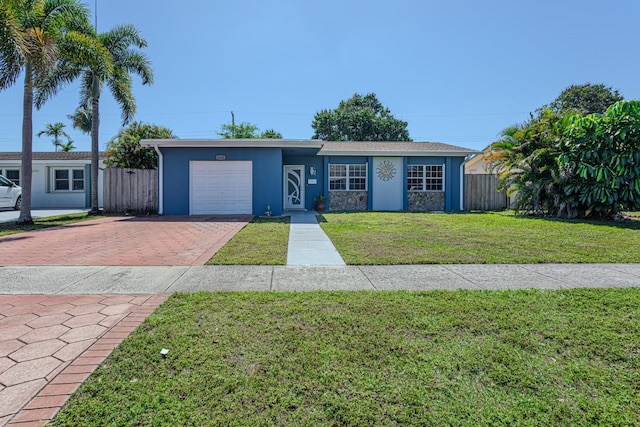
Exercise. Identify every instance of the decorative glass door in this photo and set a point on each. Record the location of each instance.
(294, 187)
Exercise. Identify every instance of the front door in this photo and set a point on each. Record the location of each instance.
(294, 187)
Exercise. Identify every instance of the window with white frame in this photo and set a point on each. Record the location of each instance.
(348, 177)
(11, 174)
(425, 177)
(67, 179)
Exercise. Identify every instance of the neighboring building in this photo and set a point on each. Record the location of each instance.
(253, 175)
(60, 179)
(477, 165)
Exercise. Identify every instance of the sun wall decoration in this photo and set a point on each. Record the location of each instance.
(386, 170)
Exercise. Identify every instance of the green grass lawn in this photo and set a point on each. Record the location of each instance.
(50, 221)
(263, 241)
(372, 238)
(440, 358)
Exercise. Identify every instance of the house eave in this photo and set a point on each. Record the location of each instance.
(232, 143)
(392, 153)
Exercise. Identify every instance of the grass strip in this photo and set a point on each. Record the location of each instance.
(46, 222)
(264, 241)
(438, 358)
(383, 238)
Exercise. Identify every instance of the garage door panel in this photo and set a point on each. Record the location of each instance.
(221, 187)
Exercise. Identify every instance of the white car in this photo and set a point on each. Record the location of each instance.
(10, 194)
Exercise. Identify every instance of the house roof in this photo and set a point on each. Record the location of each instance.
(327, 148)
(52, 155)
(392, 148)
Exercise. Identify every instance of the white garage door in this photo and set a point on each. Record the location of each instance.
(221, 188)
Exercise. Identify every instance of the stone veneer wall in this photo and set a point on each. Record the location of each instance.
(422, 202)
(348, 201)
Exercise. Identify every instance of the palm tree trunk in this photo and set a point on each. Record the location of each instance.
(95, 153)
(27, 148)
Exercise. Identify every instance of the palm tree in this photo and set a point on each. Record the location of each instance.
(34, 34)
(120, 43)
(56, 130)
(81, 119)
(67, 147)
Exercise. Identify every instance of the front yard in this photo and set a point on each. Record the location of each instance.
(379, 238)
(465, 358)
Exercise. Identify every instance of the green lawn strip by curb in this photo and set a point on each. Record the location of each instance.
(464, 358)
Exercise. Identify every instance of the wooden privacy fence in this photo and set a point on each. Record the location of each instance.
(131, 191)
(481, 193)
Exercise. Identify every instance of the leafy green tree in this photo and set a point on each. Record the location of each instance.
(124, 151)
(56, 130)
(360, 118)
(585, 99)
(34, 35)
(242, 130)
(246, 130)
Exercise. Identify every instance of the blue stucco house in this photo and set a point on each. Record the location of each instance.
(201, 177)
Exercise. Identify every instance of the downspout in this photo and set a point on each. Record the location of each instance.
(466, 159)
(160, 180)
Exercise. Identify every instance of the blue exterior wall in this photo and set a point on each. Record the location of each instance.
(268, 171)
(451, 178)
(308, 159)
(267, 175)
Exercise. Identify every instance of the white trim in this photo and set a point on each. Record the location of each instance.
(462, 185)
(424, 178)
(233, 143)
(161, 180)
(395, 153)
(70, 179)
(347, 165)
(285, 187)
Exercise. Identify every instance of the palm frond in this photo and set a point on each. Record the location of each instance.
(121, 89)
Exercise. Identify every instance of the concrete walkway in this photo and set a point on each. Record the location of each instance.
(308, 244)
(16, 280)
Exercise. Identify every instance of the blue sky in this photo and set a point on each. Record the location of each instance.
(458, 71)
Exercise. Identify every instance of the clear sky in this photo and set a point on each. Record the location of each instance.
(459, 71)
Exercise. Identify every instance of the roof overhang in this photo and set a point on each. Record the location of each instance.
(397, 153)
(233, 143)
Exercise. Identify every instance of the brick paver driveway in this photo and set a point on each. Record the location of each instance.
(160, 240)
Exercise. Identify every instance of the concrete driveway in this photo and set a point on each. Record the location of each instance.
(124, 241)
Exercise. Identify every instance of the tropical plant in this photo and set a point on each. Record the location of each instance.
(67, 147)
(123, 57)
(360, 118)
(56, 130)
(603, 154)
(34, 35)
(81, 119)
(124, 151)
(573, 166)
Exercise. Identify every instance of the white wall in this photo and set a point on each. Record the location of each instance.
(41, 197)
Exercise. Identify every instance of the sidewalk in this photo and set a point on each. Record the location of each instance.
(15, 280)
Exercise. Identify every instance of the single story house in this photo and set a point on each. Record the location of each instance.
(236, 176)
(60, 179)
